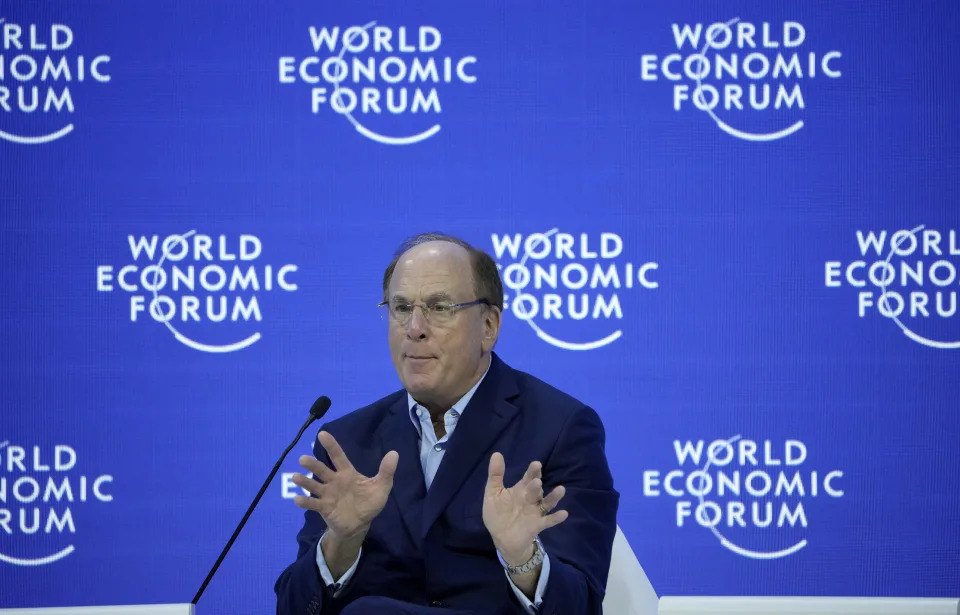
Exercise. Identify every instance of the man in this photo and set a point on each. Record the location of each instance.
(442, 498)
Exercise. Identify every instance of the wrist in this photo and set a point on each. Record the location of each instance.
(517, 557)
(522, 560)
(335, 544)
(346, 537)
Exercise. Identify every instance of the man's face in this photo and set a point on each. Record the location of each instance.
(439, 362)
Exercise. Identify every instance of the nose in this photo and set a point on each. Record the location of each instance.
(417, 327)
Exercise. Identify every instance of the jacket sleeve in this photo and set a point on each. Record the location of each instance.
(300, 590)
(580, 547)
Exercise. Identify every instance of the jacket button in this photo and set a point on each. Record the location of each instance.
(436, 603)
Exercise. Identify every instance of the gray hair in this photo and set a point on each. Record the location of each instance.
(486, 278)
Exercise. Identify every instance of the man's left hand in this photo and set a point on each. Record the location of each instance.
(515, 515)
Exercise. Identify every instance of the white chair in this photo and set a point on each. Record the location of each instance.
(629, 591)
(806, 605)
(130, 609)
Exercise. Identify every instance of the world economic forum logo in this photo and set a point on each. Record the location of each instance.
(568, 287)
(40, 71)
(908, 277)
(387, 82)
(40, 487)
(205, 290)
(744, 76)
(749, 494)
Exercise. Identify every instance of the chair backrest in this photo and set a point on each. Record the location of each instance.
(629, 591)
(126, 609)
(807, 605)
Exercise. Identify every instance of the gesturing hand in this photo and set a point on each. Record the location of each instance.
(347, 500)
(515, 515)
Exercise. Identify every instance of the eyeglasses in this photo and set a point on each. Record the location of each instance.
(434, 312)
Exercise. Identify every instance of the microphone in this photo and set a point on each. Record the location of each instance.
(317, 410)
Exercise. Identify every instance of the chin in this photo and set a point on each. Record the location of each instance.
(417, 383)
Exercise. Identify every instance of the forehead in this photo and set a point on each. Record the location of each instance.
(435, 267)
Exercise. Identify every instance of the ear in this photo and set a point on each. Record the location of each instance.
(491, 327)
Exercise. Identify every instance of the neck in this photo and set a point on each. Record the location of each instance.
(437, 407)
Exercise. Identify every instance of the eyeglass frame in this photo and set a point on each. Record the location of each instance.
(423, 308)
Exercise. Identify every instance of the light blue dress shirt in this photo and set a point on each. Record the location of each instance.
(431, 454)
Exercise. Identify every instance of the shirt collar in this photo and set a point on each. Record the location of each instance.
(459, 407)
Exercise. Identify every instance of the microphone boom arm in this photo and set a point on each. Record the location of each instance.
(318, 409)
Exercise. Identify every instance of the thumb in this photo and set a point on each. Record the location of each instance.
(388, 467)
(495, 471)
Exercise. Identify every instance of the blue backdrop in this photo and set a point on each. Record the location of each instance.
(730, 228)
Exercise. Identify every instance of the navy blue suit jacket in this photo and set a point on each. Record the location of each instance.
(432, 547)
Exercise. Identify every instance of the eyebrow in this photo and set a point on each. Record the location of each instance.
(435, 297)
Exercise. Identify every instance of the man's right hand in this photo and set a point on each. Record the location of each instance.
(347, 500)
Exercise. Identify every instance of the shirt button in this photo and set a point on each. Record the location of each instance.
(438, 448)
(454, 413)
(418, 411)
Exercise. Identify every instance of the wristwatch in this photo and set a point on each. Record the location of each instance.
(535, 560)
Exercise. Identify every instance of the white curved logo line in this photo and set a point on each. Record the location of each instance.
(426, 134)
(573, 345)
(375, 136)
(763, 555)
(53, 136)
(749, 136)
(730, 130)
(16, 561)
(211, 348)
(543, 334)
(927, 341)
(727, 543)
(906, 330)
(180, 337)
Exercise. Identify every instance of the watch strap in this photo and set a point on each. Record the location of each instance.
(535, 560)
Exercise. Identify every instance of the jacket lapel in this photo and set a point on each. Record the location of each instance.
(409, 487)
(486, 416)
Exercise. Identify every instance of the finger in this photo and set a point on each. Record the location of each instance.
(533, 491)
(495, 471)
(319, 469)
(534, 470)
(307, 484)
(309, 503)
(553, 498)
(337, 457)
(553, 519)
(388, 467)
